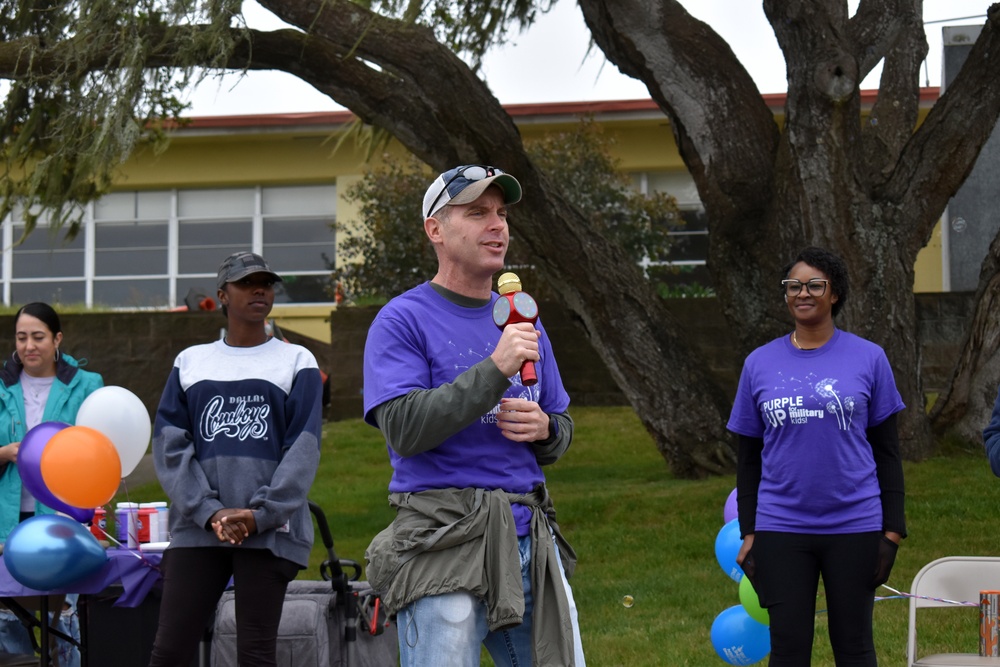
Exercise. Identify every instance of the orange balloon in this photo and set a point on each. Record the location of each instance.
(81, 467)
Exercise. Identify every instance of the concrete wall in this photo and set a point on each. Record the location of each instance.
(137, 350)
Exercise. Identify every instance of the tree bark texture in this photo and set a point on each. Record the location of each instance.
(964, 410)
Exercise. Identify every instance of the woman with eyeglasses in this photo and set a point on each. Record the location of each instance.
(819, 478)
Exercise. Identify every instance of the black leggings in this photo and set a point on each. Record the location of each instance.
(787, 567)
(193, 582)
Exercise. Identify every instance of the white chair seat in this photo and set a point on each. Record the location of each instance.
(957, 578)
(956, 660)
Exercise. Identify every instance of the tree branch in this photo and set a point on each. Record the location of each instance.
(944, 148)
(894, 115)
(873, 30)
(726, 134)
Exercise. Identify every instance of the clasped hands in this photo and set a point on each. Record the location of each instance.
(233, 525)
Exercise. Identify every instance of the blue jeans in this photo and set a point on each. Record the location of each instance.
(14, 638)
(448, 630)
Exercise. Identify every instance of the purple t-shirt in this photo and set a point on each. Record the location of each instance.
(812, 408)
(420, 340)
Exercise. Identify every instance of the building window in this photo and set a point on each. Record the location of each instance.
(298, 240)
(684, 267)
(148, 249)
(44, 254)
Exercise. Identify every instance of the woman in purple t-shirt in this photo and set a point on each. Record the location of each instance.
(819, 479)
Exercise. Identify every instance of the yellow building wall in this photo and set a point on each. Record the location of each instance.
(312, 321)
(240, 161)
(245, 155)
(929, 267)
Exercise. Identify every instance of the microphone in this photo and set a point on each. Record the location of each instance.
(512, 307)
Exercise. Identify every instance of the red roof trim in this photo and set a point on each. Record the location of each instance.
(773, 100)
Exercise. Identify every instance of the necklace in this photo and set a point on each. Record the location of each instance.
(225, 339)
(36, 388)
(795, 342)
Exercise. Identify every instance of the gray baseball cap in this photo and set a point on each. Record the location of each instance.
(239, 265)
(463, 185)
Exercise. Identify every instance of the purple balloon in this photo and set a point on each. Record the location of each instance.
(29, 464)
(729, 512)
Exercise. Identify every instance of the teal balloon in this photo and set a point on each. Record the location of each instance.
(49, 552)
(727, 548)
(751, 603)
(738, 639)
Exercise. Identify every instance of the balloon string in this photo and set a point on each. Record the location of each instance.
(132, 514)
(899, 595)
(137, 553)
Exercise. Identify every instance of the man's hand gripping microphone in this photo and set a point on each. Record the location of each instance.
(512, 307)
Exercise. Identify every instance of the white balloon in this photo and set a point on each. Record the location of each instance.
(121, 416)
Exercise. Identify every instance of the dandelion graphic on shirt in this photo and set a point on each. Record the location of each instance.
(470, 358)
(797, 398)
(467, 359)
(841, 408)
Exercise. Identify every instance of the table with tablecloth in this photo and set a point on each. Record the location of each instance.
(129, 573)
(135, 570)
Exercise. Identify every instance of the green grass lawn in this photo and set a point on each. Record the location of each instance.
(639, 532)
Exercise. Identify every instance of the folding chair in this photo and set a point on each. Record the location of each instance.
(958, 578)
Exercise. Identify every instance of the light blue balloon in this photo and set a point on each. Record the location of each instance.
(727, 548)
(49, 552)
(738, 639)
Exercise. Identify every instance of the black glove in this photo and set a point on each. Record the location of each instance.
(886, 558)
(749, 567)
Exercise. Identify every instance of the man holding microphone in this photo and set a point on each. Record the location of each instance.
(474, 556)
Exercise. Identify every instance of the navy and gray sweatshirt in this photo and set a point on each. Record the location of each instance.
(239, 427)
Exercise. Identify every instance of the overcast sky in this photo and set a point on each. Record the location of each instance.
(550, 63)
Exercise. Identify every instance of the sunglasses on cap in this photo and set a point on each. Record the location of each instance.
(470, 172)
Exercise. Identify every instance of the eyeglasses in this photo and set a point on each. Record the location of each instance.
(470, 172)
(815, 287)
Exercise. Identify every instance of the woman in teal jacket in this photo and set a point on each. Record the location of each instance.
(37, 384)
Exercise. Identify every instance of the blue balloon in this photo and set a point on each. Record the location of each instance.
(738, 639)
(727, 548)
(49, 552)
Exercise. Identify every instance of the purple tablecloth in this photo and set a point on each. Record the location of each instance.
(136, 571)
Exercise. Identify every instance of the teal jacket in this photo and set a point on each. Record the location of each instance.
(71, 386)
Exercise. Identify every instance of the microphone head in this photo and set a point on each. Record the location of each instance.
(508, 282)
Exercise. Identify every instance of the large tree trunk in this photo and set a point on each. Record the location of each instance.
(964, 410)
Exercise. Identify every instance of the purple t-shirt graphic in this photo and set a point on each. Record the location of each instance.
(812, 407)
